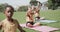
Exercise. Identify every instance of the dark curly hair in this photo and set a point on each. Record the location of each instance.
(10, 7)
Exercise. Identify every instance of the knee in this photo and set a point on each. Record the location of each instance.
(29, 25)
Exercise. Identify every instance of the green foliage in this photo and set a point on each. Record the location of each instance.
(53, 4)
(2, 7)
(49, 4)
(33, 2)
(23, 8)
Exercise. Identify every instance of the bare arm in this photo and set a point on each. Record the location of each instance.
(20, 28)
(30, 16)
(0, 25)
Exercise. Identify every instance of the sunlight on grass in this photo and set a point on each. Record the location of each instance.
(50, 15)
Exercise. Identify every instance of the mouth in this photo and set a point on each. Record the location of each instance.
(9, 15)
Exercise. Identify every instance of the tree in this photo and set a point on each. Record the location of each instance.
(33, 2)
(23, 8)
(53, 4)
(2, 7)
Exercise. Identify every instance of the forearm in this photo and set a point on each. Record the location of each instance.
(20, 28)
(0, 27)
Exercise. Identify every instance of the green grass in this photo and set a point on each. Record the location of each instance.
(50, 15)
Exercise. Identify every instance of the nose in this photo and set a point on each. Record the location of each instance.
(9, 13)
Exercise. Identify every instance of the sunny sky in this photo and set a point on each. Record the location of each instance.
(16, 3)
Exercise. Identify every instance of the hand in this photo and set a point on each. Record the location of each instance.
(23, 31)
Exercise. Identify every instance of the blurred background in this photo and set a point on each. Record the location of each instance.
(50, 9)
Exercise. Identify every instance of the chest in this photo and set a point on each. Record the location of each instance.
(9, 25)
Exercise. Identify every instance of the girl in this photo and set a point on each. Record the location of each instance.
(29, 18)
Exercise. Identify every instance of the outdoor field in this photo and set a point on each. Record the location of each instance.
(49, 15)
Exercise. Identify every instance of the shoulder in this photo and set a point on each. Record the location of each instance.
(15, 20)
(1, 22)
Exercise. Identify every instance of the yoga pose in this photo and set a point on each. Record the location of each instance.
(9, 24)
(37, 10)
(36, 6)
(30, 19)
(37, 14)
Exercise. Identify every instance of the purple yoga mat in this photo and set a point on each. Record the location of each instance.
(41, 28)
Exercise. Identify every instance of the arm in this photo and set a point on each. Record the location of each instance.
(20, 28)
(28, 14)
(0, 25)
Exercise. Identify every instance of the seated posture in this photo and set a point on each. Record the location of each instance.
(9, 24)
(29, 18)
(36, 12)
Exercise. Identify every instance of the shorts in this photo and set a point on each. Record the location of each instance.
(32, 23)
(37, 17)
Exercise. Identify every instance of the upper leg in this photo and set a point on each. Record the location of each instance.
(37, 24)
(29, 24)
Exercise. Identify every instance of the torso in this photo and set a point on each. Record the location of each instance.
(9, 26)
(36, 12)
(29, 17)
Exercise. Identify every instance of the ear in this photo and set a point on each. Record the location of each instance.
(4, 12)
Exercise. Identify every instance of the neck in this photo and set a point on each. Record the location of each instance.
(9, 19)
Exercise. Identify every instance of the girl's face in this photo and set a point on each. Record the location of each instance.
(9, 12)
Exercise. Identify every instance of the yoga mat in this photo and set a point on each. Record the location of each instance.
(41, 28)
(46, 21)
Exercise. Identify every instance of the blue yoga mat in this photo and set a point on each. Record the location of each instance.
(46, 21)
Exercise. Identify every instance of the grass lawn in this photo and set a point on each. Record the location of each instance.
(50, 15)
